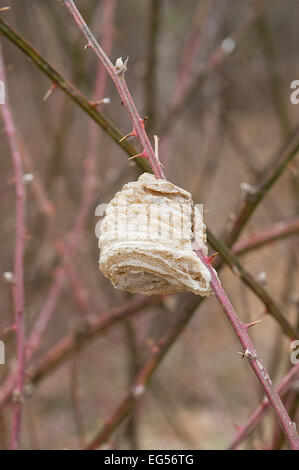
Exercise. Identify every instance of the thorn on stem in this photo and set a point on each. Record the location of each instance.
(143, 121)
(86, 46)
(131, 134)
(50, 91)
(143, 154)
(249, 325)
(4, 9)
(210, 259)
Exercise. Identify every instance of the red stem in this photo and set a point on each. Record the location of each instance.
(73, 236)
(18, 287)
(257, 239)
(120, 83)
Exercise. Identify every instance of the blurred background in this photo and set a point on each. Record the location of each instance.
(221, 120)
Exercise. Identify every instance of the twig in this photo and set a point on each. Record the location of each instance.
(132, 428)
(68, 88)
(255, 195)
(64, 349)
(184, 75)
(18, 286)
(257, 239)
(291, 404)
(159, 350)
(75, 401)
(261, 410)
(217, 58)
(274, 79)
(73, 236)
(255, 286)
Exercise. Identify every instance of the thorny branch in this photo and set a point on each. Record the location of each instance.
(240, 328)
(69, 89)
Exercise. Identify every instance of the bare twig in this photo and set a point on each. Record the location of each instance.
(64, 349)
(254, 285)
(258, 239)
(217, 58)
(68, 88)
(254, 195)
(18, 285)
(67, 346)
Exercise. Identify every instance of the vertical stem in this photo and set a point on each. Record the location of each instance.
(18, 286)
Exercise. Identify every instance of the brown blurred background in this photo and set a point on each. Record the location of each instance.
(231, 129)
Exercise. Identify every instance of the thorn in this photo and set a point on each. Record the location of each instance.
(86, 46)
(210, 259)
(50, 91)
(249, 325)
(143, 154)
(238, 427)
(4, 9)
(131, 134)
(9, 329)
(143, 121)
